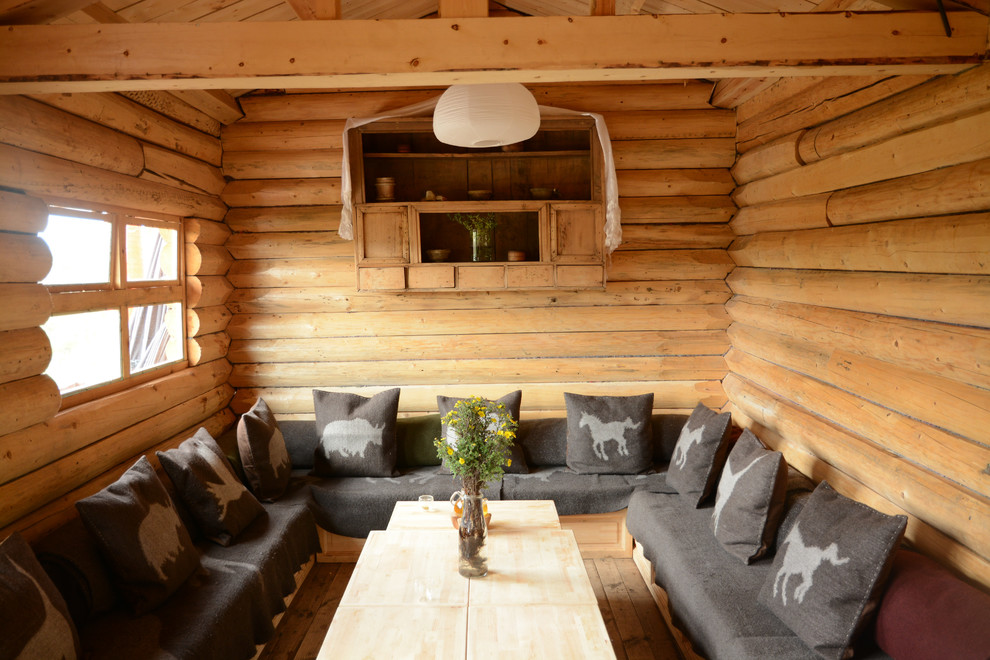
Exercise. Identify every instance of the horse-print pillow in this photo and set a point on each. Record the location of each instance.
(829, 571)
(609, 434)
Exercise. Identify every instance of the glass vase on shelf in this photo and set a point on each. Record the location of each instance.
(483, 244)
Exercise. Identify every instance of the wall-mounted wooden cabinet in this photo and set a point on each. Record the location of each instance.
(549, 238)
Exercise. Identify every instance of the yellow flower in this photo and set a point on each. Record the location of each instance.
(461, 461)
(509, 464)
(450, 452)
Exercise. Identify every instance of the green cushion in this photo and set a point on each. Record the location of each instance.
(415, 436)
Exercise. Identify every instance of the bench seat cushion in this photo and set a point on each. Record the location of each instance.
(355, 506)
(574, 493)
(226, 607)
(712, 594)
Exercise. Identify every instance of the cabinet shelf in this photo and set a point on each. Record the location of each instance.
(492, 155)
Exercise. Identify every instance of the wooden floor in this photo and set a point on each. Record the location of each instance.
(634, 623)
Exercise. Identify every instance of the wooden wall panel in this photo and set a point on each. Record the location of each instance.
(107, 149)
(861, 313)
(298, 322)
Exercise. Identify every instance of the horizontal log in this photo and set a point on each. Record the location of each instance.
(207, 320)
(207, 291)
(282, 135)
(137, 121)
(22, 213)
(214, 102)
(518, 370)
(788, 214)
(677, 153)
(322, 299)
(960, 141)
(61, 510)
(957, 189)
(951, 351)
(326, 272)
(300, 164)
(711, 208)
(205, 232)
(456, 347)
(957, 511)
(318, 54)
(23, 353)
(937, 101)
(81, 426)
(21, 496)
(25, 306)
(669, 265)
(207, 259)
(169, 105)
(625, 97)
(49, 176)
(23, 257)
(922, 535)
(731, 92)
(330, 106)
(27, 401)
(822, 101)
(670, 124)
(467, 321)
(943, 298)
(181, 171)
(536, 396)
(207, 348)
(774, 157)
(284, 218)
(300, 245)
(660, 183)
(282, 192)
(883, 402)
(667, 237)
(34, 126)
(781, 91)
(953, 244)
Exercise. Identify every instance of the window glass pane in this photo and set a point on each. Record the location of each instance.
(85, 349)
(80, 250)
(152, 253)
(155, 333)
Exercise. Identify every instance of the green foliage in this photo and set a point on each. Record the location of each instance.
(472, 221)
(481, 434)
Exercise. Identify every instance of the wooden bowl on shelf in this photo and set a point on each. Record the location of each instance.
(541, 193)
(437, 256)
(479, 195)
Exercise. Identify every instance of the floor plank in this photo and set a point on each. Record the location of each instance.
(634, 623)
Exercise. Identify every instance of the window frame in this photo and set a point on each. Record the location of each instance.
(120, 294)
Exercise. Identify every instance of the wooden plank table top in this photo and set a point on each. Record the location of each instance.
(406, 599)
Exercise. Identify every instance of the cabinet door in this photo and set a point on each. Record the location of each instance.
(576, 233)
(383, 235)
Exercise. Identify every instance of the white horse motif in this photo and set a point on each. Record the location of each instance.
(158, 535)
(686, 440)
(803, 560)
(277, 452)
(602, 432)
(226, 488)
(54, 638)
(726, 485)
(351, 437)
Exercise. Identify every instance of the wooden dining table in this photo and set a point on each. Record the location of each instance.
(406, 599)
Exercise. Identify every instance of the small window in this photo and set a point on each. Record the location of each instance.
(117, 297)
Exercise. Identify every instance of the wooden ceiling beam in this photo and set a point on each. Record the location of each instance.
(389, 53)
(463, 8)
(24, 12)
(320, 10)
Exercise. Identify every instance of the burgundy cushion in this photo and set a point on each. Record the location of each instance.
(928, 613)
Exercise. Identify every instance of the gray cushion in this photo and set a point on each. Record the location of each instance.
(301, 440)
(264, 457)
(750, 499)
(825, 581)
(699, 454)
(207, 485)
(513, 402)
(575, 493)
(139, 533)
(34, 620)
(543, 441)
(414, 438)
(609, 434)
(357, 434)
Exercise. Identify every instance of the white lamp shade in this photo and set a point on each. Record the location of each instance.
(487, 115)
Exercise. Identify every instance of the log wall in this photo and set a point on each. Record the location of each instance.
(860, 336)
(105, 149)
(299, 323)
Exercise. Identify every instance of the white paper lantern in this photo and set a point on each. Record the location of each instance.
(487, 115)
